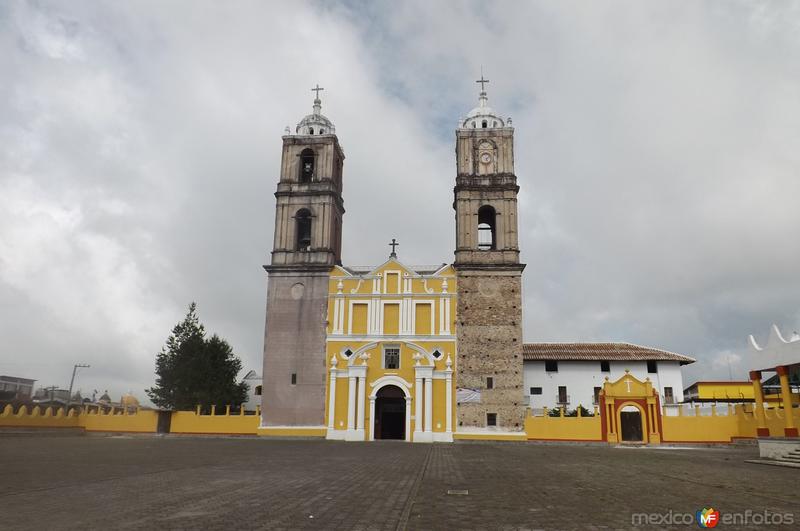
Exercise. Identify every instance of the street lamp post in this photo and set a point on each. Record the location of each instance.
(71, 382)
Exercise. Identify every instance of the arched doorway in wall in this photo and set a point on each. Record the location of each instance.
(631, 425)
(390, 413)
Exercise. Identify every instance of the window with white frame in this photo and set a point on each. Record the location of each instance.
(391, 358)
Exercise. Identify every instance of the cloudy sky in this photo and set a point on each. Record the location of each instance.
(656, 149)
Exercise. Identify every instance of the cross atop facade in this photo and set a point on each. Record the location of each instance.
(318, 88)
(482, 82)
(393, 244)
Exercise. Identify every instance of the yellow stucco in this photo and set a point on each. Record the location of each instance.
(724, 391)
(141, 421)
(563, 428)
(390, 307)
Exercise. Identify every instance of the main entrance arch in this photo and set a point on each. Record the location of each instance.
(630, 411)
(390, 413)
(389, 394)
(630, 423)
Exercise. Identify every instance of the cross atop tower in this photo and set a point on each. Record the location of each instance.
(318, 88)
(482, 81)
(393, 244)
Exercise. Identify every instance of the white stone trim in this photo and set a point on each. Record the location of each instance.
(398, 381)
(428, 404)
(351, 402)
(382, 337)
(442, 436)
(444, 316)
(385, 346)
(377, 385)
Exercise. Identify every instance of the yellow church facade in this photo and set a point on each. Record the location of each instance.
(391, 353)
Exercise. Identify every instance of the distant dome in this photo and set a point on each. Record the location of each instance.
(129, 400)
(315, 123)
(482, 116)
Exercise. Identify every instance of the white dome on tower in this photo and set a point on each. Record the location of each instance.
(482, 116)
(315, 123)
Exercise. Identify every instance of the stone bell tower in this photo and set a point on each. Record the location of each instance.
(307, 244)
(489, 274)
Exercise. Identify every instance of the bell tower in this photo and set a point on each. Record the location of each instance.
(307, 244)
(489, 274)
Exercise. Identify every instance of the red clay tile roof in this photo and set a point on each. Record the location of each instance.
(599, 352)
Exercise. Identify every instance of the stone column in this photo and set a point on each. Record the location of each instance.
(361, 404)
(417, 405)
(790, 430)
(448, 396)
(761, 422)
(372, 418)
(428, 404)
(332, 396)
(351, 403)
(408, 418)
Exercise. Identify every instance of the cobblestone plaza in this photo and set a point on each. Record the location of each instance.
(86, 482)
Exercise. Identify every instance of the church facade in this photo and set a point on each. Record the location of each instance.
(415, 353)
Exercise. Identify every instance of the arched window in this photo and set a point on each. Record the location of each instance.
(310, 130)
(258, 390)
(322, 131)
(484, 124)
(473, 124)
(303, 230)
(486, 228)
(306, 165)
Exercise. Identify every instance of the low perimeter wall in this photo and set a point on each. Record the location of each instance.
(689, 426)
(547, 428)
(113, 420)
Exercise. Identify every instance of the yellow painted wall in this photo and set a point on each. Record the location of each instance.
(391, 319)
(741, 423)
(724, 391)
(406, 371)
(359, 318)
(392, 282)
(291, 432)
(191, 422)
(349, 289)
(38, 418)
(563, 428)
(360, 289)
(423, 319)
(143, 421)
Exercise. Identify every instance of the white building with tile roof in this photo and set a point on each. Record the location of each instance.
(572, 374)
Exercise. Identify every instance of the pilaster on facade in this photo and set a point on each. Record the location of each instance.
(357, 376)
(423, 376)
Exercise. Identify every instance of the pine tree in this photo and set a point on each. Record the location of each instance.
(192, 370)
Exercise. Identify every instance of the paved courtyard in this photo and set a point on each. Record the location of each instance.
(88, 482)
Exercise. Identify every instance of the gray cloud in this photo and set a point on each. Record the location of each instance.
(656, 150)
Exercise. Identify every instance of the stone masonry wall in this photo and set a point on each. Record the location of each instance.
(294, 342)
(489, 333)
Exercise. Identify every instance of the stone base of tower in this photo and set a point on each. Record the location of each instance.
(294, 348)
(489, 333)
